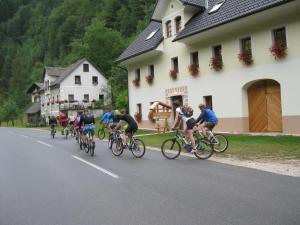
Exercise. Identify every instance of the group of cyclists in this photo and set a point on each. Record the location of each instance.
(84, 123)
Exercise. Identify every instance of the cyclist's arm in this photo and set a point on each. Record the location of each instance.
(176, 120)
(200, 118)
(118, 126)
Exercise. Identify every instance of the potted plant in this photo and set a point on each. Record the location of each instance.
(194, 69)
(173, 74)
(216, 63)
(93, 100)
(246, 57)
(66, 101)
(136, 82)
(85, 101)
(48, 103)
(278, 50)
(149, 79)
(138, 117)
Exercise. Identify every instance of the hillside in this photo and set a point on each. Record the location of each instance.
(35, 33)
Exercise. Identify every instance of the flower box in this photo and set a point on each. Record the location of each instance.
(149, 79)
(173, 74)
(138, 117)
(136, 82)
(246, 57)
(48, 103)
(278, 51)
(194, 69)
(216, 63)
(85, 101)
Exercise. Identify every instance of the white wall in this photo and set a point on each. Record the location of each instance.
(68, 85)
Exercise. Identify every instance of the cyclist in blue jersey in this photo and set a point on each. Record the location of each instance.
(207, 119)
(106, 118)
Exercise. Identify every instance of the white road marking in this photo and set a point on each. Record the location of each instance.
(43, 143)
(97, 167)
(24, 136)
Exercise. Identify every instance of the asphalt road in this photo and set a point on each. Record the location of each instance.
(51, 182)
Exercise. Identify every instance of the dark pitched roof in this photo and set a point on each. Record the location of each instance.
(54, 71)
(34, 108)
(229, 11)
(66, 71)
(141, 45)
(34, 86)
(196, 3)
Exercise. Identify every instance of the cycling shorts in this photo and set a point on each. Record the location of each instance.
(89, 128)
(130, 130)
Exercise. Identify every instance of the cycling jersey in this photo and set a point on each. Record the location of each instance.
(207, 115)
(106, 117)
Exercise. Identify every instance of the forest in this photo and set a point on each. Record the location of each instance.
(39, 33)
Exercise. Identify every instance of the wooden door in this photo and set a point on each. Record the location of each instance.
(264, 101)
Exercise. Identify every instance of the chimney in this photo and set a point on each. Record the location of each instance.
(206, 4)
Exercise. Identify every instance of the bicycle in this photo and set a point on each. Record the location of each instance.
(90, 145)
(219, 141)
(171, 148)
(65, 131)
(53, 131)
(135, 145)
(101, 133)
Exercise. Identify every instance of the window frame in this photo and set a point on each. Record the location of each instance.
(151, 70)
(76, 80)
(71, 99)
(175, 64)
(137, 74)
(178, 24)
(192, 58)
(95, 82)
(86, 67)
(208, 100)
(168, 26)
(244, 47)
(276, 32)
(86, 99)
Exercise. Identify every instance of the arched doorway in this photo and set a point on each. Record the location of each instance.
(264, 103)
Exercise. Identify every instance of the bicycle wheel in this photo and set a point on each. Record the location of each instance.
(88, 145)
(101, 133)
(92, 148)
(220, 143)
(110, 141)
(117, 150)
(138, 148)
(171, 148)
(205, 149)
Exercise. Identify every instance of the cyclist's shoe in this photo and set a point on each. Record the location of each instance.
(194, 150)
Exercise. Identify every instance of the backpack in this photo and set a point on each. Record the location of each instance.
(187, 111)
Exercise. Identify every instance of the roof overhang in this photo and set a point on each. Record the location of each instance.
(241, 23)
(144, 56)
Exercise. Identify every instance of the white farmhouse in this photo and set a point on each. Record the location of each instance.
(240, 57)
(73, 88)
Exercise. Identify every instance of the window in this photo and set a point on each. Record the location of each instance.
(175, 64)
(71, 98)
(217, 6)
(279, 37)
(86, 68)
(208, 101)
(139, 108)
(86, 98)
(217, 51)
(137, 74)
(77, 80)
(151, 34)
(168, 28)
(95, 80)
(195, 59)
(151, 70)
(47, 85)
(246, 45)
(101, 99)
(178, 24)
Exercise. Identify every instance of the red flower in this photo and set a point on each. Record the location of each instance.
(149, 79)
(173, 74)
(136, 82)
(138, 117)
(278, 50)
(216, 63)
(194, 69)
(246, 57)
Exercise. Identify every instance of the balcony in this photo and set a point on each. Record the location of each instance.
(79, 106)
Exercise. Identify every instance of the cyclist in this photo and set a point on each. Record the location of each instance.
(77, 124)
(207, 119)
(88, 120)
(131, 128)
(190, 123)
(63, 121)
(107, 118)
(52, 123)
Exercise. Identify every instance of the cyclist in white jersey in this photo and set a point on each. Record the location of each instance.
(189, 121)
